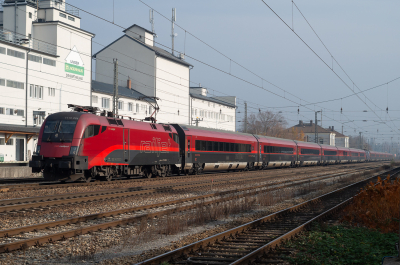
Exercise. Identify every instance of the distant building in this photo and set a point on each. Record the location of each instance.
(340, 139)
(325, 136)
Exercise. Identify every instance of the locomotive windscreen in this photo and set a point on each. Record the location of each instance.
(58, 131)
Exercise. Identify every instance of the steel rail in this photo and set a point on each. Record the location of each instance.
(243, 254)
(233, 194)
(64, 199)
(42, 184)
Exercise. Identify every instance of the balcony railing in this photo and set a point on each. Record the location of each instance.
(18, 39)
(59, 5)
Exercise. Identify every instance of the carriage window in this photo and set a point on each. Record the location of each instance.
(309, 152)
(103, 129)
(221, 146)
(278, 150)
(91, 130)
(344, 153)
(330, 153)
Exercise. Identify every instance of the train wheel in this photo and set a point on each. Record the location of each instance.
(148, 173)
(87, 180)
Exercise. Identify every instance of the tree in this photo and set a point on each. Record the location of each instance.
(267, 123)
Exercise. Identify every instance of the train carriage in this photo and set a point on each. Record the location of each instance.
(308, 154)
(329, 154)
(343, 155)
(277, 152)
(214, 150)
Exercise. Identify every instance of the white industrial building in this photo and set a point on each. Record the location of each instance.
(46, 63)
(149, 72)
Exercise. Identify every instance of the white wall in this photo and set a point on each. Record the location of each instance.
(9, 151)
(214, 115)
(172, 87)
(328, 138)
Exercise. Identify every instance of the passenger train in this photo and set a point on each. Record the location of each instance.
(82, 145)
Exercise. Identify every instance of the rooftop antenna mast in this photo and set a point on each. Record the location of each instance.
(173, 35)
(151, 20)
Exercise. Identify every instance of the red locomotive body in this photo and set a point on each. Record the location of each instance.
(74, 145)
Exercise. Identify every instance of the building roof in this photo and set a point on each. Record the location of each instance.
(65, 24)
(104, 88)
(135, 25)
(11, 128)
(338, 134)
(158, 51)
(310, 128)
(219, 101)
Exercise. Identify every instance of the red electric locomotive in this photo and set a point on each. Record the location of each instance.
(79, 145)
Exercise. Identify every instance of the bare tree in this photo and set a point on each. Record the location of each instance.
(266, 123)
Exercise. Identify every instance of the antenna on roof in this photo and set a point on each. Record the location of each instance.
(151, 19)
(173, 35)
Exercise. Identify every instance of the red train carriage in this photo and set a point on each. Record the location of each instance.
(77, 145)
(277, 152)
(329, 154)
(343, 155)
(308, 153)
(213, 150)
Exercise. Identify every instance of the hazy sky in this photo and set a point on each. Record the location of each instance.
(362, 36)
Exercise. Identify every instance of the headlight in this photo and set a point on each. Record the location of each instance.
(37, 150)
(73, 151)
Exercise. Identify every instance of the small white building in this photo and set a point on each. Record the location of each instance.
(340, 139)
(212, 112)
(45, 64)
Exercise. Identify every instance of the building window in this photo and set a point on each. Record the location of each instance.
(52, 91)
(36, 91)
(1, 110)
(120, 105)
(137, 107)
(9, 111)
(95, 99)
(321, 141)
(15, 53)
(150, 110)
(71, 18)
(105, 103)
(63, 15)
(2, 50)
(10, 142)
(34, 58)
(1, 141)
(49, 62)
(30, 36)
(144, 109)
(130, 106)
(20, 112)
(30, 15)
(2, 82)
(15, 84)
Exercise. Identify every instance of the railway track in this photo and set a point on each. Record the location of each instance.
(42, 184)
(36, 203)
(180, 205)
(250, 243)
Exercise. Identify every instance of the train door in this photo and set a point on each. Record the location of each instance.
(126, 145)
(188, 147)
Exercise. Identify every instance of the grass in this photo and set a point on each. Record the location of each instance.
(342, 245)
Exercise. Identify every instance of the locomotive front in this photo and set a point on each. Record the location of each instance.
(58, 146)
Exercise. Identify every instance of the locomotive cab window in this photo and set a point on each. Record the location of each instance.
(91, 130)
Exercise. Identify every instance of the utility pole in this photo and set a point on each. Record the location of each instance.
(360, 141)
(115, 96)
(342, 129)
(316, 132)
(245, 117)
(173, 27)
(197, 120)
(321, 118)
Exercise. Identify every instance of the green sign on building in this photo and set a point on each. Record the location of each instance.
(70, 68)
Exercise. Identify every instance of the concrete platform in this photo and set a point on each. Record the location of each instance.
(15, 172)
(391, 261)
